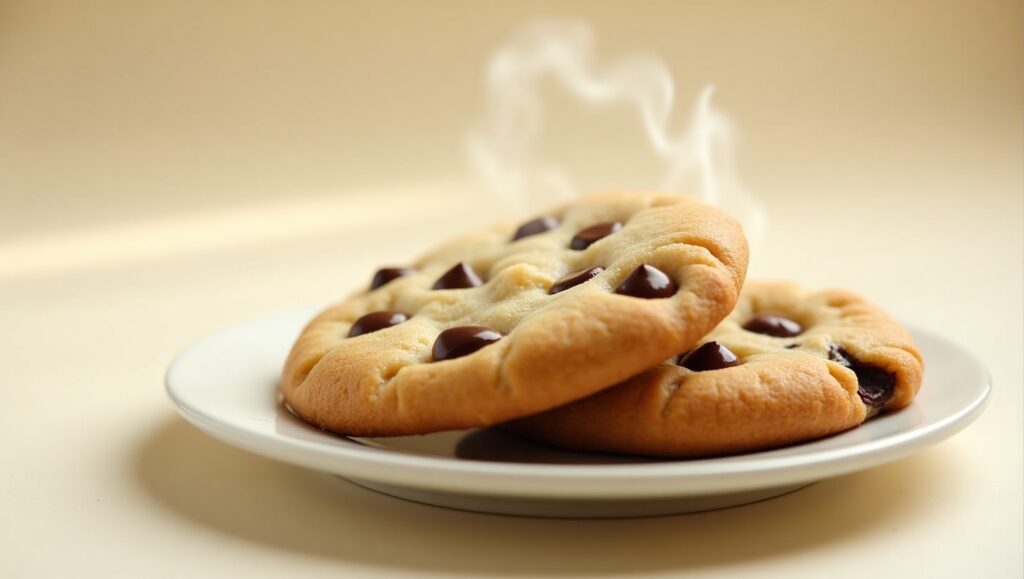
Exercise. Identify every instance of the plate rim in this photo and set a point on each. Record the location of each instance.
(352, 459)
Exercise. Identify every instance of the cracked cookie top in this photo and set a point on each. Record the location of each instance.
(519, 318)
(789, 364)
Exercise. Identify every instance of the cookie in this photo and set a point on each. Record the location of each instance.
(519, 318)
(788, 365)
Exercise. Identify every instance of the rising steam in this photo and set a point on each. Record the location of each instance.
(503, 150)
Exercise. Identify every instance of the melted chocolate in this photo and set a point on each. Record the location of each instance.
(374, 321)
(462, 340)
(460, 276)
(586, 237)
(710, 356)
(387, 274)
(875, 385)
(773, 325)
(574, 279)
(647, 282)
(535, 226)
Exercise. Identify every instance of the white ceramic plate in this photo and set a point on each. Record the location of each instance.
(226, 386)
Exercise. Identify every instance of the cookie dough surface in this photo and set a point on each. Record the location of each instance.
(553, 348)
(848, 361)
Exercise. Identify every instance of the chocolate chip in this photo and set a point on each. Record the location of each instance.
(574, 279)
(792, 346)
(773, 325)
(648, 282)
(584, 238)
(535, 226)
(874, 385)
(462, 340)
(388, 274)
(710, 356)
(374, 321)
(460, 276)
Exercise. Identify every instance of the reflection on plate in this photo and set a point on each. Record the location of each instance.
(226, 386)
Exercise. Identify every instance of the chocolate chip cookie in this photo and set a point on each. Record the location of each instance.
(519, 318)
(788, 365)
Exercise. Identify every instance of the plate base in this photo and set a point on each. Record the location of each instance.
(579, 509)
(227, 386)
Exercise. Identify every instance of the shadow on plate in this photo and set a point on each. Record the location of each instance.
(292, 509)
(491, 445)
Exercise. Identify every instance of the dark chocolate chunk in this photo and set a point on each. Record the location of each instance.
(374, 321)
(584, 238)
(710, 356)
(874, 385)
(462, 340)
(460, 276)
(648, 282)
(773, 325)
(574, 279)
(538, 225)
(387, 274)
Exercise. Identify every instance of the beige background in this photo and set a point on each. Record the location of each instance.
(168, 168)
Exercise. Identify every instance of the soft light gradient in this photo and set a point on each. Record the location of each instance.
(169, 168)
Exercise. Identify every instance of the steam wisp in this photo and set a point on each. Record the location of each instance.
(503, 150)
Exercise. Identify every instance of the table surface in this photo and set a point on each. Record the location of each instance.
(168, 170)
